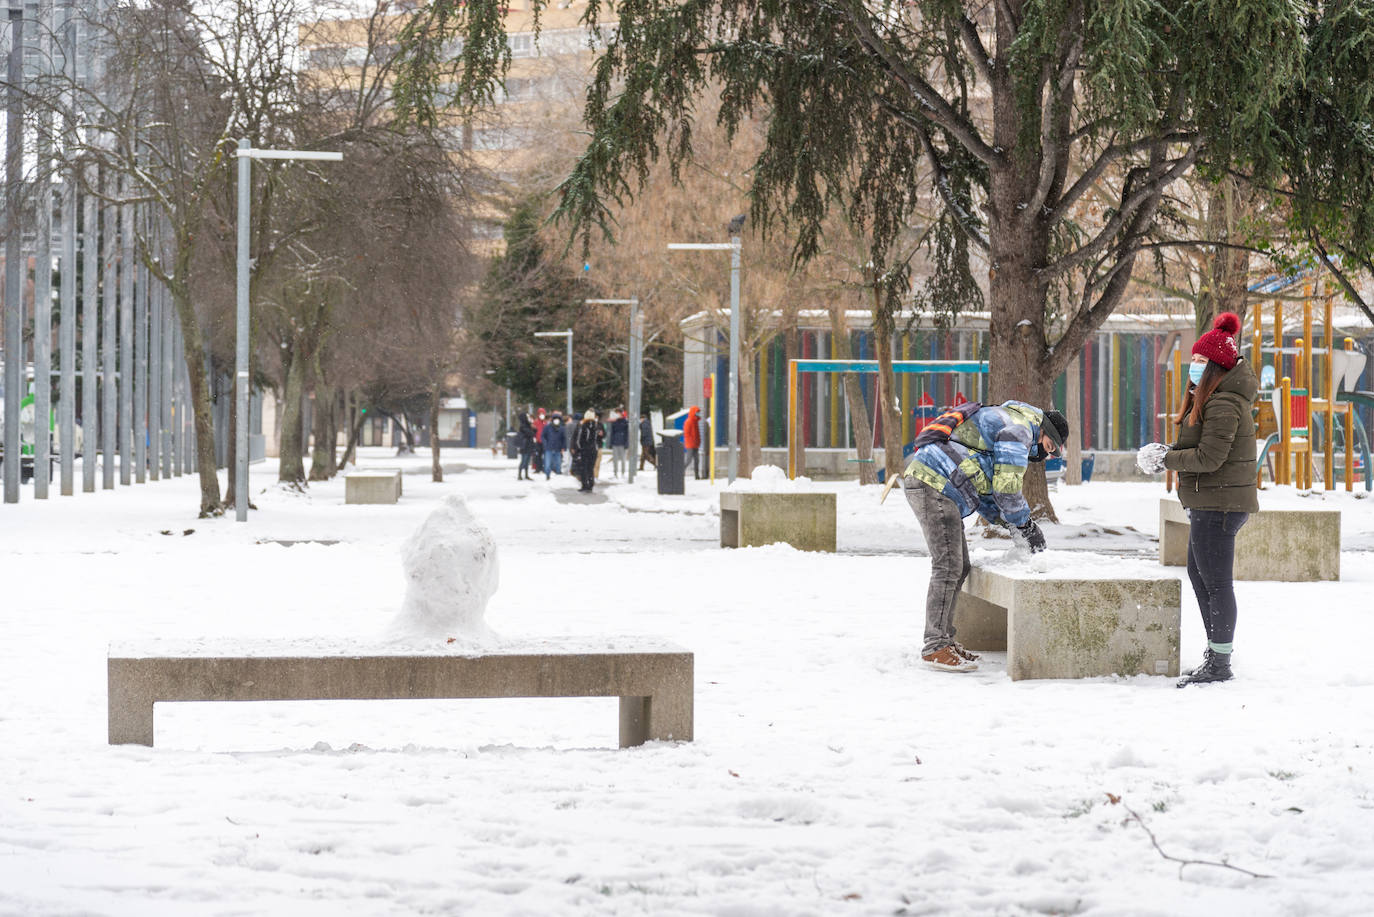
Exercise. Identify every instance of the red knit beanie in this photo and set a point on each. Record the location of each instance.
(1218, 345)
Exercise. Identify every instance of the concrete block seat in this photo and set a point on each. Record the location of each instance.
(1278, 545)
(806, 521)
(376, 485)
(653, 680)
(1103, 618)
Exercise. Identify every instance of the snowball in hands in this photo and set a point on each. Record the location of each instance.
(1150, 457)
(451, 571)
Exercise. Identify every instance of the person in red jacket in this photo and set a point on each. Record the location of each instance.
(691, 438)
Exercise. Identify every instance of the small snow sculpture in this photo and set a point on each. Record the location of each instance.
(451, 571)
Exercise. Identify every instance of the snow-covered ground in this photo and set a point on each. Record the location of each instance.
(831, 773)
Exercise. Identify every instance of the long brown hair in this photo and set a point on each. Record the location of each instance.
(1195, 396)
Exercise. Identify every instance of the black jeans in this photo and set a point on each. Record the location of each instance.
(1211, 557)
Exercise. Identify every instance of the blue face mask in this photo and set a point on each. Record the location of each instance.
(1195, 371)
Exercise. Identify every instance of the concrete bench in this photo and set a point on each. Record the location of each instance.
(806, 521)
(654, 681)
(372, 486)
(1279, 545)
(1073, 626)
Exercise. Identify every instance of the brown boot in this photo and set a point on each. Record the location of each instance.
(947, 659)
(966, 653)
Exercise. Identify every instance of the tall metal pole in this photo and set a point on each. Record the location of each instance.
(66, 408)
(732, 461)
(241, 350)
(42, 277)
(127, 371)
(14, 268)
(109, 404)
(154, 386)
(570, 409)
(140, 386)
(90, 326)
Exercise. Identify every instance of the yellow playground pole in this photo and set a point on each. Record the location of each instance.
(711, 427)
(1329, 395)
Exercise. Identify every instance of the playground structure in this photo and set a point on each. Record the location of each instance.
(1293, 424)
(796, 367)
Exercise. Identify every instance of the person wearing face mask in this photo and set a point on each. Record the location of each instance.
(976, 463)
(555, 441)
(1215, 461)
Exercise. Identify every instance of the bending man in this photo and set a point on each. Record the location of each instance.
(974, 463)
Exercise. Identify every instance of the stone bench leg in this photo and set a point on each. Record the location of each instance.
(130, 709)
(665, 717)
(978, 624)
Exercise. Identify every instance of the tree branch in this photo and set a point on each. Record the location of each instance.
(1181, 861)
(934, 106)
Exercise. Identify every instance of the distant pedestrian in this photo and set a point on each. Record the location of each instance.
(585, 450)
(600, 440)
(620, 442)
(527, 445)
(691, 438)
(646, 442)
(555, 441)
(538, 421)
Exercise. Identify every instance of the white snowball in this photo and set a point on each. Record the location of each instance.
(451, 572)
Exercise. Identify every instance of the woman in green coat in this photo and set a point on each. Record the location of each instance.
(1215, 460)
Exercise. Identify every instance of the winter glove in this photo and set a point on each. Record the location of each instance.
(1035, 539)
(1150, 457)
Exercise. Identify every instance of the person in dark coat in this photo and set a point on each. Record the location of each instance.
(646, 442)
(1215, 460)
(620, 443)
(585, 448)
(555, 441)
(527, 445)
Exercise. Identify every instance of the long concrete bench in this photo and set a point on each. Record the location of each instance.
(654, 681)
(382, 485)
(1279, 545)
(1071, 626)
(806, 521)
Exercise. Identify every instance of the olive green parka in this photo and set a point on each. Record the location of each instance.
(1215, 459)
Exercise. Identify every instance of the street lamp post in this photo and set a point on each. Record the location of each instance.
(732, 391)
(636, 370)
(569, 335)
(246, 155)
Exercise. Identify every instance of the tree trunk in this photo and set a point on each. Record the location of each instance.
(1018, 356)
(886, 391)
(292, 468)
(435, 398)
(853, 395)
(355, 429)
(322, 466)
(193, 352)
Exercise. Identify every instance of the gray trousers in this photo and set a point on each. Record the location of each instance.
(944, 531)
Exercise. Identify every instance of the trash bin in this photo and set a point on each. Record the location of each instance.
(671, 463)
(513, 444)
